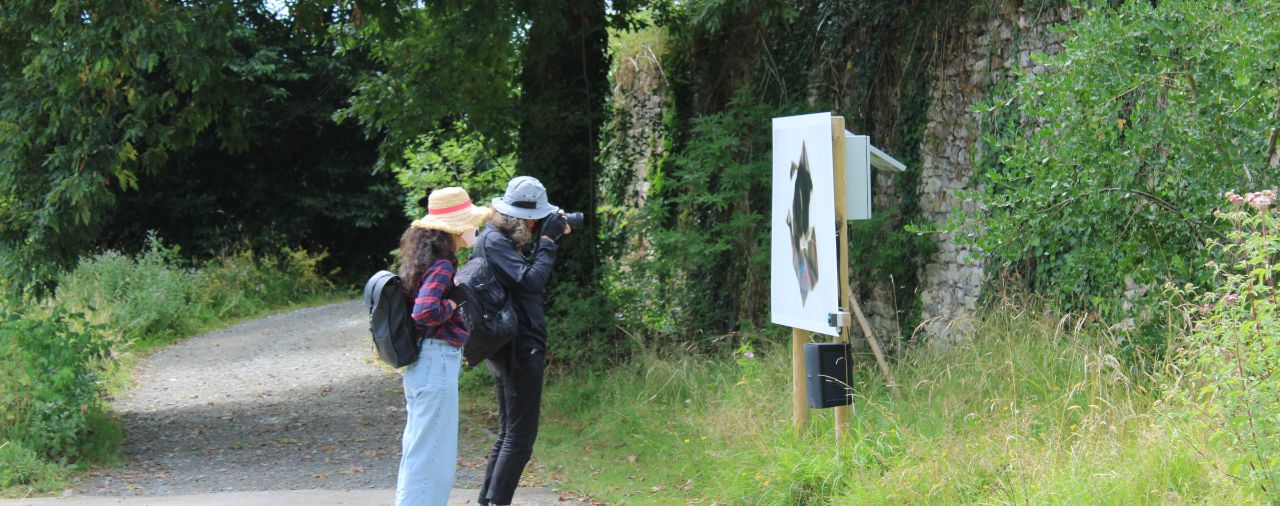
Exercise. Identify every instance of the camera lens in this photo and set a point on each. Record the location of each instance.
(575, 219)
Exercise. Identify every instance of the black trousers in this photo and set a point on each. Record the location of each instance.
(518, 382)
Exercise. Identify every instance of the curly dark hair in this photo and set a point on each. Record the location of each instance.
(419, 249)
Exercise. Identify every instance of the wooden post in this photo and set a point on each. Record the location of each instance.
(842, 235)
(799, 401)
(846, 291)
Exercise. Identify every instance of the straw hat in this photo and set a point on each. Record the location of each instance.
(450, 209)
(525, 198)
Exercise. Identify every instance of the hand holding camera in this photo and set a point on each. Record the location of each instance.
(559, 224)
(555, 226)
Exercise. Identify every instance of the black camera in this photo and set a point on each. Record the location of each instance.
(575, 220)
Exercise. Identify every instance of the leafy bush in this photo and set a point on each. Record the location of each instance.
(1232, 356)
(141, 296)
(49, 380)
(152, 297)
(1102, 165)
(245, 283)
(463, 158)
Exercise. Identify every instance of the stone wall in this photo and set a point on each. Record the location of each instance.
(985, 53)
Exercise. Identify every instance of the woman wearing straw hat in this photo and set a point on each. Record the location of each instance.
(428, 261)
(522, 217)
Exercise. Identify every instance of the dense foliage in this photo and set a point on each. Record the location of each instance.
(486, 74)
(444, 70)
(1103, 168)
(52, 402)
(49, 383)
(693, 259)
(1232, 357)
(95, 98)
(706, 234)
(208, 121)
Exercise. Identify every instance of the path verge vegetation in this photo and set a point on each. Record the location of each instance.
(62, 355)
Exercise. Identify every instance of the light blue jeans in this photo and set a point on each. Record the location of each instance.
(429, 449)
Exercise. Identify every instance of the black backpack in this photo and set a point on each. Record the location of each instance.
(390, 319)
(486, 309)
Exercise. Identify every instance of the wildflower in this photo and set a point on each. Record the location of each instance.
(1233, 198)
(1230, 298)
(1261, 200)
(1074, 427)
(749, 355)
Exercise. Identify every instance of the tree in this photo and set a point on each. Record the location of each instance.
(208, 121)
(528, 77)
(299, 179)
(563, 88)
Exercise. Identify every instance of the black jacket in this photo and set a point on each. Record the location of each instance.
(525, 281)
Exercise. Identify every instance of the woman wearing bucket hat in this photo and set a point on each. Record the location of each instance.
(521, 215)
(428, 261)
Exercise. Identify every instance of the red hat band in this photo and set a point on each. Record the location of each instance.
(449, 210)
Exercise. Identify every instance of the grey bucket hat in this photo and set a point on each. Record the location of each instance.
(525, 198)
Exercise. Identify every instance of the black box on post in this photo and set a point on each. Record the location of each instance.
(826, 371)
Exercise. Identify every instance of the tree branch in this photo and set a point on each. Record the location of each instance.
(1159, 202)
(1272, 153)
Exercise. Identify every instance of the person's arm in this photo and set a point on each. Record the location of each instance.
(515, 270)
(431, 308)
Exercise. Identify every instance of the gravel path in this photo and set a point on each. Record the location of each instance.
(293, 401)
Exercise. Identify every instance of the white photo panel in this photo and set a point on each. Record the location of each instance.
(803, 274)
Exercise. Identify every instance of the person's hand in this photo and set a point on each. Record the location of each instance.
(555, 227)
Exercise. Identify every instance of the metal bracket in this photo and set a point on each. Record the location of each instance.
(839, 319)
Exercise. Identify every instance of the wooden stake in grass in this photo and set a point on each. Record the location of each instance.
(799, 402)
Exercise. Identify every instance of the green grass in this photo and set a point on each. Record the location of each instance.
(1025, 411)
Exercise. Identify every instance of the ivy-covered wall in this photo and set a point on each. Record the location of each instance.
(680, 165)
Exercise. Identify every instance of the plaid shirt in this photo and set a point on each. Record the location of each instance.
(433, 317)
